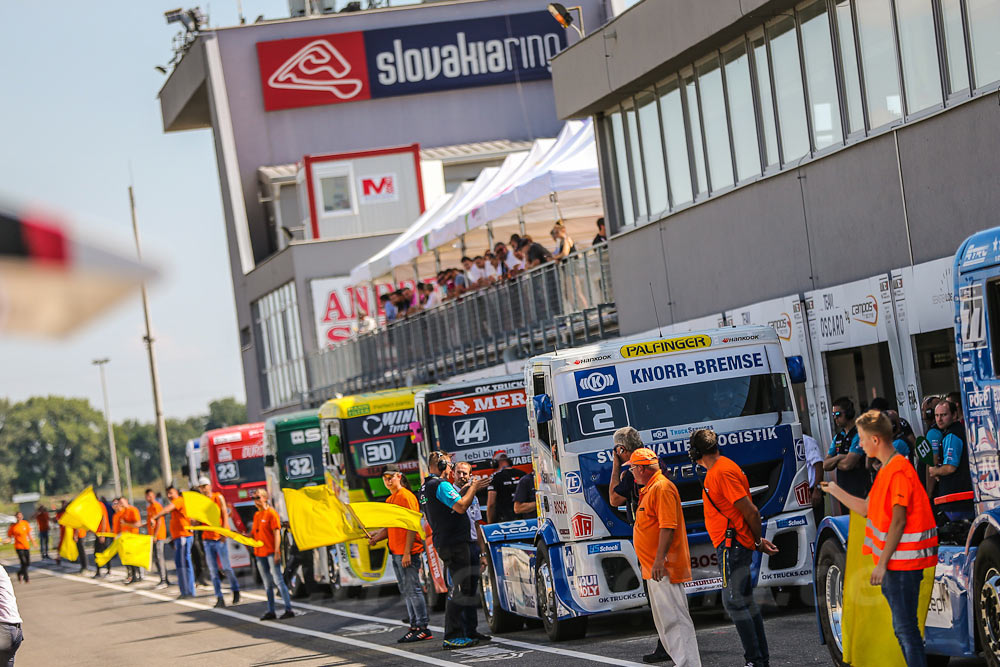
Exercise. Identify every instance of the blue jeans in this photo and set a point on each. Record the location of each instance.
(901, 589)
(43, 543)
(271, 575)
(737, 599)
(408, 580)
(182, 561)
(217, 549)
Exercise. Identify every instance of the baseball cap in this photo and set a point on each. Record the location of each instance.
(644, 456)
(500, 455)
(203, 481)
(392, 467)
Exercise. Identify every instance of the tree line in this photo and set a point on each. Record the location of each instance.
(63, 442)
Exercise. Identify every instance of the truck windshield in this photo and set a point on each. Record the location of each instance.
(665, 407)
(376, 440)
(476, 436)
(243, 471)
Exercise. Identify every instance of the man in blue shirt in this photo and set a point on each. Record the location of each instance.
(953, 493)
(845, 454)
(445, 509)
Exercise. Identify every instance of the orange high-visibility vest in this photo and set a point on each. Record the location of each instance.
(896, 481)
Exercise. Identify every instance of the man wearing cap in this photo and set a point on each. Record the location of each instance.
(216, 549)
(500, 492)
(661, 546)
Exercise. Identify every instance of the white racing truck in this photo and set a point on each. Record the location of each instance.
(578, 559)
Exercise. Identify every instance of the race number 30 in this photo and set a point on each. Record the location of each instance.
(471, 431)
(376, 453)
(603, 415)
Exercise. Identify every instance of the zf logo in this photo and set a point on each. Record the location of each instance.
(471, 431)
(597, 381)
(573, 483)
(376, 453)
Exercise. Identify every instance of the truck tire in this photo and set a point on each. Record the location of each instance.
(545, 594)
(499, 619)
(830, 569)
(987, 600)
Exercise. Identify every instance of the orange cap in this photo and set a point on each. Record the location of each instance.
(644, 456)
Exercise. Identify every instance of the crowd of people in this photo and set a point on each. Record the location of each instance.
(503, 262)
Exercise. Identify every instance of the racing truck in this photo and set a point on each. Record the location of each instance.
(577, 559)
(293, 458)
(473, 421)
(235, 456)
(963, 617)
(366, 432)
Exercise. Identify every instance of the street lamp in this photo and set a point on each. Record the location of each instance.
(111, 433)
(562, 16)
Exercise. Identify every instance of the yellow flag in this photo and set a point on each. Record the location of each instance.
(385, 515)
(200, 507)
(83, 512)
(318, 519)
(67, 549)
(135, 549)
(102, 558)
(233, 535)
(867, 622)
(106, 534)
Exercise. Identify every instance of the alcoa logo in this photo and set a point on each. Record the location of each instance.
(597, 381)
(317, 66)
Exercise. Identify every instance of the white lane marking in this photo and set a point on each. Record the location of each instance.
(591, 657)
(356, 643)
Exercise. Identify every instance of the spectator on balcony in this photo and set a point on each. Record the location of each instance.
(494, 268)
(515, 240)
(511, 264)
(468, 269)
(535, 254)
(388, 307)
(602, 235)
(431, 296)
(564, 244)
(477, 275)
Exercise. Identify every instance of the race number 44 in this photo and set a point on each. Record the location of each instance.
(471, 431)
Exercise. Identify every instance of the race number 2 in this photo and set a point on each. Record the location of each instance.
(603, 415)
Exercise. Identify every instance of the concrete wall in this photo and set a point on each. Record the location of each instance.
(833, 220)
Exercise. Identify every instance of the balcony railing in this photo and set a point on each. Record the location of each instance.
(559, 304)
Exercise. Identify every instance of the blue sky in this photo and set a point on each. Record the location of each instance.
(79, 104)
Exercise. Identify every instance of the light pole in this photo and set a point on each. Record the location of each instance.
(111, 432)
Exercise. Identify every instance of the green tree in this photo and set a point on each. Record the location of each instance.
(225, 412)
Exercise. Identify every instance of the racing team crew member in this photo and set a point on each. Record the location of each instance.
(900, 534)
(500, 492)
(953, 487)
(660, 540)
(624, 490)
(525, 506)
(477, 549)
(734, 526)
(216, 549)
(445, 510)
(845, 454)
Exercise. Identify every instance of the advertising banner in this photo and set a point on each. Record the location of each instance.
(340, 308)
(355, 66)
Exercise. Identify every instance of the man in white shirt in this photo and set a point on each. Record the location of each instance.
(10, 621)
(814, 467)
(473, 275)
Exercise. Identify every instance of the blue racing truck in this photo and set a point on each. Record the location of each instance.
(577, 560)
(963, 618)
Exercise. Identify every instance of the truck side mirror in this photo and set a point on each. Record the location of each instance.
(417, 432)
(543, 408)
(269, 460)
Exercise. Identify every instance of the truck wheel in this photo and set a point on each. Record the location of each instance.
(830, 570)
(545, 592)
(499, 619)
(435, 601)
(987, 600)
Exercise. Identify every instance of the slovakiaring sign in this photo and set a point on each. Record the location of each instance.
(340, 308)
(355, 66)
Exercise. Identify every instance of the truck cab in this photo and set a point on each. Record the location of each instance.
(293, 458)
(364, 433)
(579, 561)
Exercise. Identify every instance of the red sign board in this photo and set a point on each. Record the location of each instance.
(583, 525)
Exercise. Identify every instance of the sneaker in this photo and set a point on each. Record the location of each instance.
(160, 586)
(408, 637)
(422, 634)
(287, 614)
(476, 634)
(460, 642)
(236, 597)
(129, 580)
(656, 656)
(269, 616)
(220, 604)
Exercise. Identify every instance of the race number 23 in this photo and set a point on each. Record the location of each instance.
(227, 471)
(603, 415)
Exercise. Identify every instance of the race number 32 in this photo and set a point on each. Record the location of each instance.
(299, 466)
(603, 415)
(376, 453)
(471, 431)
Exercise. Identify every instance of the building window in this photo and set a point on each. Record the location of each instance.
(713, 114)
(743, 120)
(878, 58)
(918, 52)
(279, 351)
(675, 136)
(766, 103)
(984, 26)
(849, 66)
(652, 154)
(621, 166)
(821, 76)
(335, 194)
(635, 158)
(790, 99)
(954, 45)
(694, 125)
